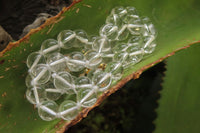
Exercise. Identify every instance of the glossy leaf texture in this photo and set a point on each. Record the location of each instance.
(179, 106)
(176, 22)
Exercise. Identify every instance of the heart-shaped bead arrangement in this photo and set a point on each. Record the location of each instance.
(76, 79)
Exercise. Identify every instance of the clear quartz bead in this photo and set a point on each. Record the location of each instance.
(50, 46)
(91, 40)
(109, 30)
(116, 69)
(66, 39)
(93, 59)
(107, 57)
(131, 10)
(102, 80)
(83, 82)
(148, 27)
(120, 47)
(81, 38)
(132, 19)
(121, 11)
(64, 81)
(101, 44)
(76, 62)
(29, 80)
(56, 62)
(87, 97)
(149, 44)
(68, 110)
(136, 54)
(41, 74)
(47, 110)
(123, 33)
(136, 41)
(92, 72)
(120, 57)
(135, 24)
(114, 19)
(35, 94)
(51, 92)
(34, 59)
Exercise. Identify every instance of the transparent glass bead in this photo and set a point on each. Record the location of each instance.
(136, 41)
(31, 95)
(107, 57)
(116, 69)
(131, 10)
(114, 19)
(29, 80)
(47, 110)
(149, 28)
(120, 47)
(34, 59)
(132, 19)
(76, 62)
(149, 44)
(56, 62)
(136, 54)
(123, 33)
(121, 11)
(41, 74)
(92, 72)
(91, 40)
(109, 30)
(68, 110)
(102, 80)
(121, 56)
(50, 46)
(93, 59)
(66, 38)
(135, 25)
(81, 38)
(51, 92)
(83, 82)
(87, 97)
(101, 44)
(64, 80)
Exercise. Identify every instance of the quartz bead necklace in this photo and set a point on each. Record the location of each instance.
(62, 83)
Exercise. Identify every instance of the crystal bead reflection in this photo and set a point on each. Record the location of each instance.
(64, 81)
(35, 95)
(116, 69)
(76, 62)
(81, 38)
(41, 74)
(47, 110)
(34, 59)
(50, 46)
(56, 62)
(109, 31)
(87, 97)
(102, 80)
(68, 110)
(101, 44)
(66, 38)
(93, 59)
(83, 82)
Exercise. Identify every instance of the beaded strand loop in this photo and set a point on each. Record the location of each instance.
(79, 77)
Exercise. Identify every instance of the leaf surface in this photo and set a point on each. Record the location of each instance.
(179, 106)
(175, 21)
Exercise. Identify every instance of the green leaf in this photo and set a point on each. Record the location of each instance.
(179, 106)
(176, 22)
